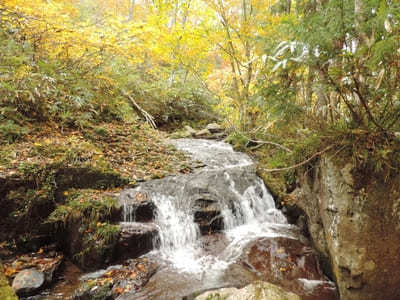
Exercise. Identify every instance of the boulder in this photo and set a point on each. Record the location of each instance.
(48, 262)
(254, 291)
(289, 263)
(136, 239)
(28, 282)
(353, 218)
(214, 128)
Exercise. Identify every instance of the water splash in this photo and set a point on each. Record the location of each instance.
(247, 207)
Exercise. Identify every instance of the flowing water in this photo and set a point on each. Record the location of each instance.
(190, 261)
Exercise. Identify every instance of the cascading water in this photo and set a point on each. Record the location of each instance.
(229, 183)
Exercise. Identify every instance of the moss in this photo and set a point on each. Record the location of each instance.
(35, 173)
(11, 132)
(85, 221)
(101, 131)
(6, 291)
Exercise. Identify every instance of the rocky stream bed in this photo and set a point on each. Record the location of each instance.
(211, 234)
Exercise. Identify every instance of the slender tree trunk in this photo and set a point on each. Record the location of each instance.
(131, 10)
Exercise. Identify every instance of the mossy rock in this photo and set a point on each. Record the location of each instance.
(85, 226)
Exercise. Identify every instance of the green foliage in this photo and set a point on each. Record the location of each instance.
(45, 90)
(184, 99)
(89, 204)
(11, 132)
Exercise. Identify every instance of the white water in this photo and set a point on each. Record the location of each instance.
(179, 235)
(254, 215)
(248, 212)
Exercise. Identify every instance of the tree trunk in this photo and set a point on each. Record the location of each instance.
(131, 9)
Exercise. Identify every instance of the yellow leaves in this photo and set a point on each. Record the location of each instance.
(22, 72)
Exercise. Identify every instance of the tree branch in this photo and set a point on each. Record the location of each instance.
(270, 143)
(149, 118)
(301, 163)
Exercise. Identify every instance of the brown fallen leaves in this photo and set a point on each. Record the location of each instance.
(135, 151)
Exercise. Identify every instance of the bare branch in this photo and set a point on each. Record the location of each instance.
(149, 118)
(271, 143)
(301, 163)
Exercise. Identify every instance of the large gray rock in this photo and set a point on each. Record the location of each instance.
(289, 263)
(28, 282)
(254, 291)
(353, 218)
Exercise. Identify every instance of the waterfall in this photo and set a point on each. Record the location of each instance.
(228, 181)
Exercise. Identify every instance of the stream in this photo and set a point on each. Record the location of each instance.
(212, 228)
(227, 189)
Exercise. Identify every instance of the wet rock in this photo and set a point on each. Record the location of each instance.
(214, 244)
(116, 280)
(136, 239)
(28, 282)
(207, 213)
(214, 128)
(353, 217)
(137, 206)
(257, 290)
(288, 263)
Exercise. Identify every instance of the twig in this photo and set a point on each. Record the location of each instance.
(301, 163)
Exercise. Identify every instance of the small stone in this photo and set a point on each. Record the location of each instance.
(28, 281)
(214, 127)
